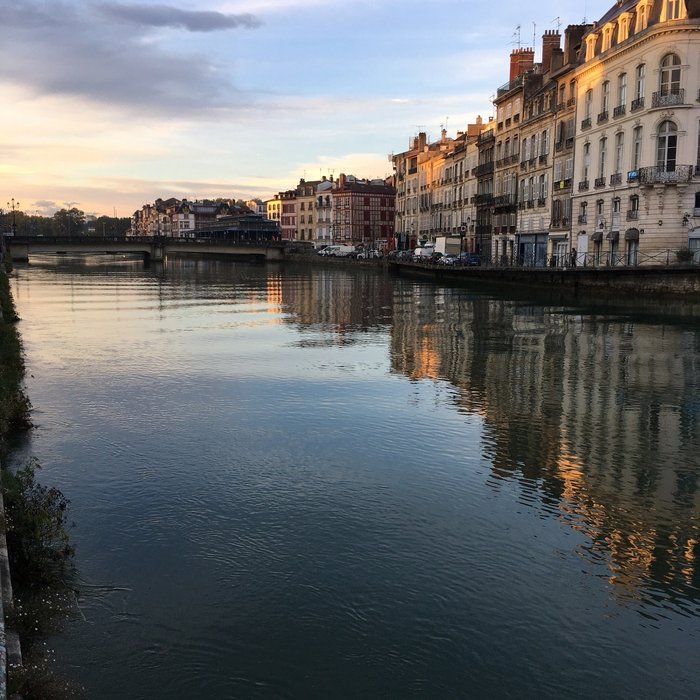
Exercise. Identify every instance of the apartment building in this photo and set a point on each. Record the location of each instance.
(363, 211)
(436, 188)
(637, 148)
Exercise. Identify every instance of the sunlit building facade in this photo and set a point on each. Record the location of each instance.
(637, 158)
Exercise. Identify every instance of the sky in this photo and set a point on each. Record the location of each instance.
(109, 104)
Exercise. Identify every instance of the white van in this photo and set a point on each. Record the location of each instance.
(423, 252)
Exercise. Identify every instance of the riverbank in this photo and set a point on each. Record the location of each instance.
(14, 415)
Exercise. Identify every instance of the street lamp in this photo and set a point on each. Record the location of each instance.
(12, 206)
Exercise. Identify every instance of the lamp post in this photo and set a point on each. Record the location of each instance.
(13, 206)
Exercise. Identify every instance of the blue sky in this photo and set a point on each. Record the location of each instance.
(109, 104)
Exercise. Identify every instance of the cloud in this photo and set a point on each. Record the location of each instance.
(167, 16)
(69, 50)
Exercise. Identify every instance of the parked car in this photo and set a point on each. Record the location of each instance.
(448, 259)
(469, 259)
(368, 254)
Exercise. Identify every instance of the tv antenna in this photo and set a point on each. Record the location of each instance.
(516, 36)
(558, 23)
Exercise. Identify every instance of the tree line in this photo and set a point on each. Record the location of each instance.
(65, 222)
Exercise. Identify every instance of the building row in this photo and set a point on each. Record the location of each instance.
(592, 157)
(181, 218)
(346, 211)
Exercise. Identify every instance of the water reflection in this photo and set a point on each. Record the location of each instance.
(597, 418)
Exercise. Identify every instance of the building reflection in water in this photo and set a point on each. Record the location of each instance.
(595, 414)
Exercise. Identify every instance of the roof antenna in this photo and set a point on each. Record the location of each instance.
(558, 21)
(516, 35)
(534, 35)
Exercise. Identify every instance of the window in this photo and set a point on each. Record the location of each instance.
(568, 168)
(634, 203)
(586, 161)
(639, 80)
(543, 187)
(697, 162)
(602, 154)
(544, 143)
(605, 101)
(642, 18)
(666, 141)
(619, 150)
(670, 77)
(636, 147)
(588, 104)
(672, 9)
(622, 90)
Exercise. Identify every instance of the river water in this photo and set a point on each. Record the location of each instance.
(298, 482)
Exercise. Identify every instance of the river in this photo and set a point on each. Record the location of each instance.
(299, 482)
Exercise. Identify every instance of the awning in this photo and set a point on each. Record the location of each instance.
(632, 234)
(613, 236)
(597, 236)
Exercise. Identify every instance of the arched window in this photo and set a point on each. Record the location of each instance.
(670, 76)
(666, 141)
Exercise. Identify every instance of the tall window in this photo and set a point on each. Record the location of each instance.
(544, 143)
(666, 141)
(670, 77)
(605, 101)
(602, 154)
(622, 90)
(636, 147)
(589, 104)
(639, 82)
(619, 150)
(586, 161)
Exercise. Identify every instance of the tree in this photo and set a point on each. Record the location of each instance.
(68, 222)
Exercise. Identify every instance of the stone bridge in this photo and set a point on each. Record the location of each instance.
(21, 248)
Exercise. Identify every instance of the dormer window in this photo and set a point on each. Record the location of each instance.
(672, 9)
(642, 16)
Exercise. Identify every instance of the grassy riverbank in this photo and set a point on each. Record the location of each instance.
(14, 404)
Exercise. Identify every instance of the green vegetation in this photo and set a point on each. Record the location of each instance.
(14, 404)
(684, 255)
(42, 573)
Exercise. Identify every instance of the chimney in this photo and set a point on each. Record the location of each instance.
(551, 40)
(422, 139)
(521, 61)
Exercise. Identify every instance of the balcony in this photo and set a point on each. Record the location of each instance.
(569, 143)
(484, 199)
(571, 102)
(602, 117)
(559, 146)
(582, 219)
(485, 137)
(543, 159)
(619, 111)
(523, 165)
(514, 158)
(668, 99)
(637, 104)
(616, 179)
(559, 223)
(633, 215)
(541, 201)
(412, 171)
(586, 123)
(583, 185)
(530, 204)
(560, 185)
(599, 182)
(504, 200)
(484, 169)
(656, 175)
